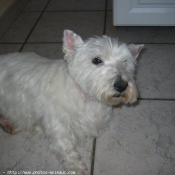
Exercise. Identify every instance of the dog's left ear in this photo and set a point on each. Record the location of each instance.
(135, 49)
(70, 41)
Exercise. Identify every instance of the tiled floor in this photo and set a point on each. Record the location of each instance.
(141, 138)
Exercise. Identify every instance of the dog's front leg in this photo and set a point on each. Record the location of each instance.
(63, 147)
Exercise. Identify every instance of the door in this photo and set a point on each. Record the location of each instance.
(144, 12)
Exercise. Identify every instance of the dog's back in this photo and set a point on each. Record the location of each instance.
(24, 77)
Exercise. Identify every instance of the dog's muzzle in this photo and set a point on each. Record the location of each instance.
(125, 92)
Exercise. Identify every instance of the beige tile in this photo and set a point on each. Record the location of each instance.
(156, 71)
(63, 5)
(110, 4)
(8, 18)
(8, 48)
(52, 51)
(140, 141)
(24, 153)
(36, 5)
(51, 25)
(20, 28)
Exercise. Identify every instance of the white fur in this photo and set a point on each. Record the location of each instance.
(68, 100)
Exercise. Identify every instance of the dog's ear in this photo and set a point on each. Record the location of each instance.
(70, 41)
(135, 49)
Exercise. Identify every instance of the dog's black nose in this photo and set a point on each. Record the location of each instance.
(120, 85)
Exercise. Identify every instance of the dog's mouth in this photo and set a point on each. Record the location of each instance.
(117, 95)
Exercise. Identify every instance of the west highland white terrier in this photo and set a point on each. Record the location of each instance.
(71, 99)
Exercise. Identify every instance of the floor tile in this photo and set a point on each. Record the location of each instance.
(8, 18)
(156, 71)
(52, 51)
(63, 5)
(24, 153)
(51, 25)
(110, 4)
(8, 48)
(29, 154)
(140, 34)
(20, 29)
(140, 141)
(36, 5)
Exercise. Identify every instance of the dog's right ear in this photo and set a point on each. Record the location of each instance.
(70, 41)
(135, 49)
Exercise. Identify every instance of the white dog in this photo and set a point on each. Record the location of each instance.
(71, 99)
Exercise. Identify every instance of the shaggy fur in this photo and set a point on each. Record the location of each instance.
(69, 100)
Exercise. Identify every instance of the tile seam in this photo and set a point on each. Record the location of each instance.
(34, 26)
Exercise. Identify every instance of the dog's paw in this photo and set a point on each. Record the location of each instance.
(83, 171)
(7, 126)
(79, 168)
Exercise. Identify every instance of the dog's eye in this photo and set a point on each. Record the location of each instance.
(124, 61)
(97, 60)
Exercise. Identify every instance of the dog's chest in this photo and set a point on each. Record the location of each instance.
(94, 117)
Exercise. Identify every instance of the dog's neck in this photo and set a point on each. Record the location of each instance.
(86, 98)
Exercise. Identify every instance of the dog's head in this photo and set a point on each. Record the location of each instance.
(102, 67)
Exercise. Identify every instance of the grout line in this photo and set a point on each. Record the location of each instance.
(157, 99)
(10, 43)
(34, 27)
(105, 17)
(93, 157)
(59, 42)
(68, 11)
